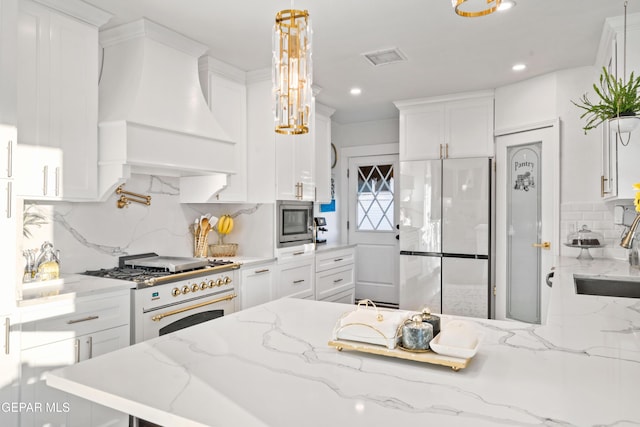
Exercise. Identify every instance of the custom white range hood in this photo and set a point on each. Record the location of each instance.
(153, 118)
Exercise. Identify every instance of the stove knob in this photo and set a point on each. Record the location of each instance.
(219, 282)
(211, 283)
(227, 280)
(203, 285)
(175, 292)
(186, 289)
(195, 288)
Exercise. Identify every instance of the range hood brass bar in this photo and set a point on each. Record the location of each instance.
(188, 274)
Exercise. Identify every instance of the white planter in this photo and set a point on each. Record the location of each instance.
(624, 124)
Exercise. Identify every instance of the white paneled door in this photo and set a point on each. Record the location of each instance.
(373, 220)
(527, 218)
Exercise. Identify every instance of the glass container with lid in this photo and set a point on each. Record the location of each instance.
(585, 239)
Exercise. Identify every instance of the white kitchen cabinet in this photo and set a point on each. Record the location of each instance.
(8, 230)
(57, 88)
(323, 153)
(295, 165)
(286, 163)
(346, 297)
(447, 127)
(335, 274)
(39, 172)
(295, 277)
(256, 284)
(225, 91)
(261, 138)
(619, 163)
(619, 151)
(97, 326)
(8, 48)
(9, 368)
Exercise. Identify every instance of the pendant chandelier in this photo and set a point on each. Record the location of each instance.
(492, 6)
(291, 72)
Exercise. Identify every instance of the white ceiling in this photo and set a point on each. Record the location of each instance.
(446, 53)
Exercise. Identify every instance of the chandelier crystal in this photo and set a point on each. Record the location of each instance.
(291, 72)
(492, 6)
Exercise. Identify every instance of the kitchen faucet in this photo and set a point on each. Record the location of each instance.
(628, 237)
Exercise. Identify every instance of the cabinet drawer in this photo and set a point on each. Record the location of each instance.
(88, 316)
(333, 259)
(334, 281)
(295, 281)
(345, 297)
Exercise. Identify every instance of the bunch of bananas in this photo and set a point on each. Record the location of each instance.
(225, 224)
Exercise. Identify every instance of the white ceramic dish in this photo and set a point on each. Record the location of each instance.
(445, 350)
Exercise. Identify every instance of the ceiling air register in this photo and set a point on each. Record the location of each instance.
(292, 71)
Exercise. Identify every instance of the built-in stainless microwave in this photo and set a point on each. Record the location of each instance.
(294, 222)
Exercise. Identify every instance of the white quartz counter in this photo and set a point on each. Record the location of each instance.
(270, 366)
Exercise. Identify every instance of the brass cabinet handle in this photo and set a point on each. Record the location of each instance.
(161, 316)
(77, 348)
(9, 197)
(543, 245)
(261, 271)
(7, 332)
(57, 181)
(84, 319)
(298, 253)
(446, 151)
(9, 159)
(90, 342)
(440, 150)
(602, 180)
(45, 182)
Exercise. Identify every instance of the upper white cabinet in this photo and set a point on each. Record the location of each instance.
(8, 226)
(295, 166)
(57, 83)
(619, 151)
(225, 91)
(447, 127)
(292, 164)
(8, 31)
(323, 153)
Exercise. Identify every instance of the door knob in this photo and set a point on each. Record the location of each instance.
(543, 245)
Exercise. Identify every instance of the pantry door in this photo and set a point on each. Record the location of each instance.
(527, 221)
(372, 225)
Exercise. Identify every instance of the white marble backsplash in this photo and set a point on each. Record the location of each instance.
(93, 235)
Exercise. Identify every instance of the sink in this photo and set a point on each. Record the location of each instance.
(591, 285)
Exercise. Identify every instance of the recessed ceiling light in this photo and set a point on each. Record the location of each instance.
(355, 91)
(518, 67)
(506, 5)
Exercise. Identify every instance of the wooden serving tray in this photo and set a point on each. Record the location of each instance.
(454, 363)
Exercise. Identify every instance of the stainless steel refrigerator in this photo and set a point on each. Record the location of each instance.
(446, 245)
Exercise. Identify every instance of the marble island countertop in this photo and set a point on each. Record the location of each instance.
(271, 366)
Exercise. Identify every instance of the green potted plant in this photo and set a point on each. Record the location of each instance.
(618, 99)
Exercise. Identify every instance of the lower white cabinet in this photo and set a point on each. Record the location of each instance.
(256, 285)
(295, 278)
(9, 370)
(335, 275)
(97, 326)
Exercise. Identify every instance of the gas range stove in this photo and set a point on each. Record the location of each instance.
(149, 269)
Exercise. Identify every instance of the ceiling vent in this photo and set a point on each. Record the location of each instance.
(383, 57)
